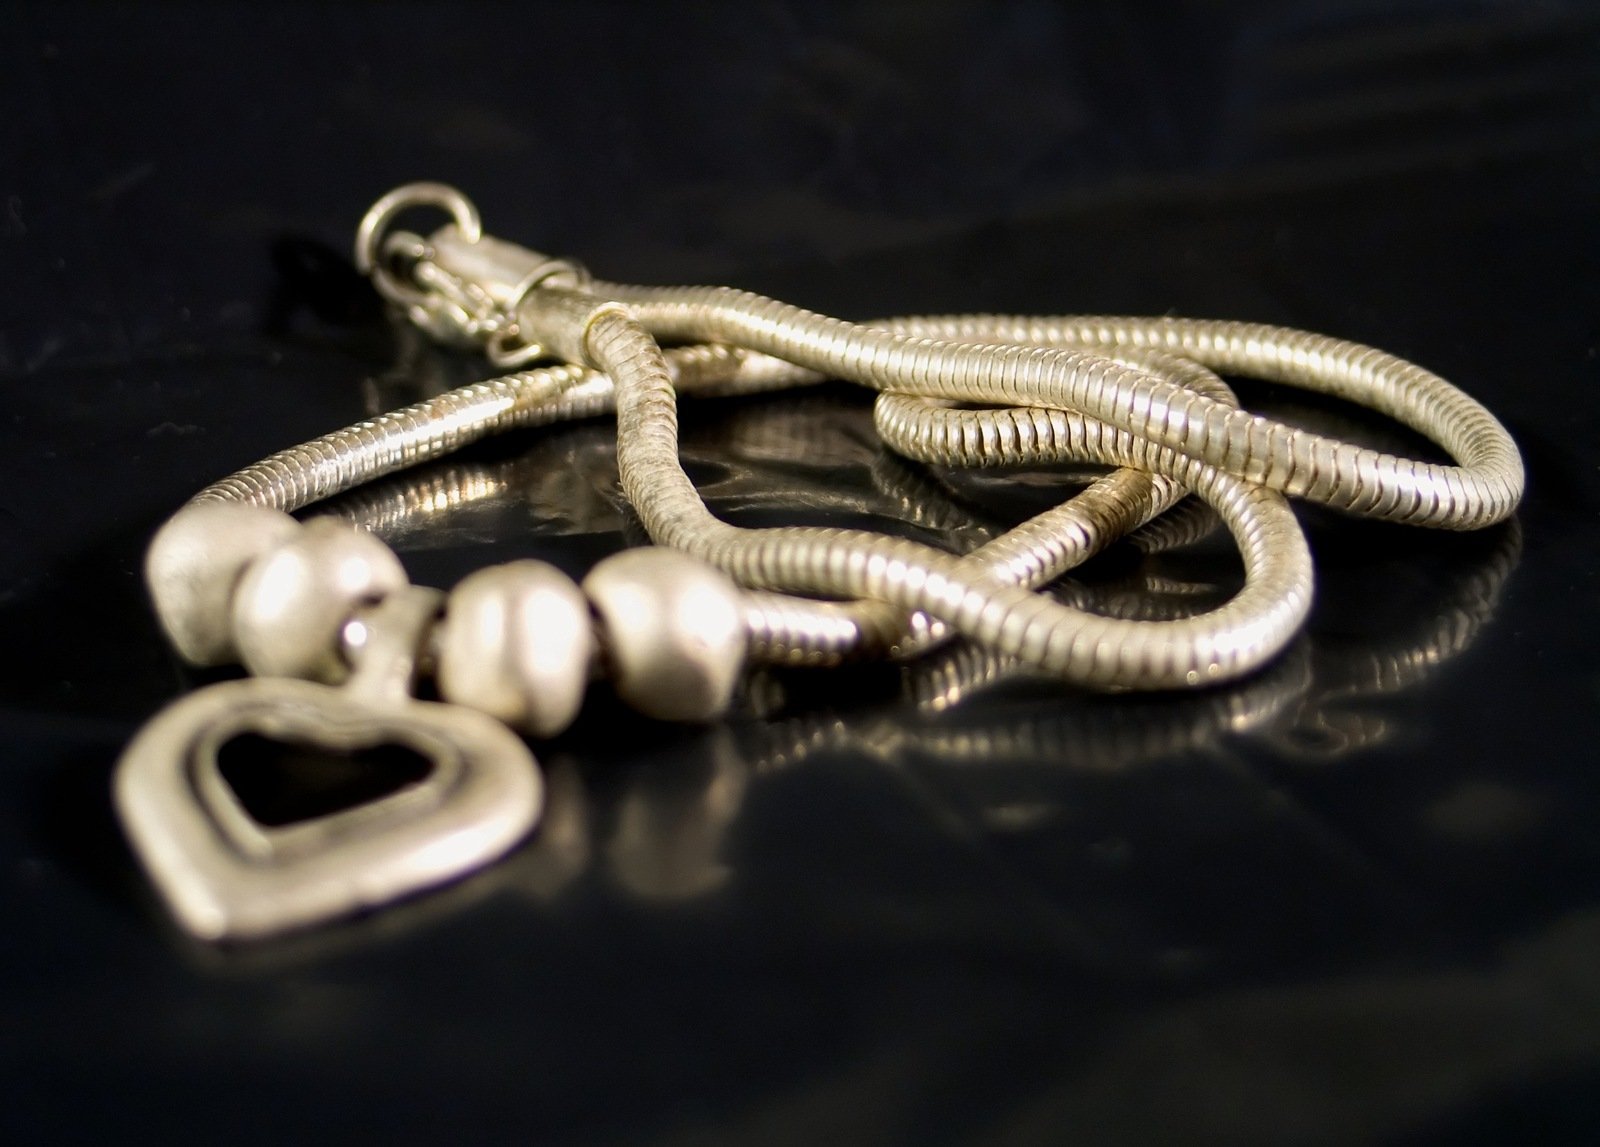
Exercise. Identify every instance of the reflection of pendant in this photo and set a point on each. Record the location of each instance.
(226, 876)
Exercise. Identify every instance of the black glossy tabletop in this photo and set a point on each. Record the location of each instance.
(1353, 899)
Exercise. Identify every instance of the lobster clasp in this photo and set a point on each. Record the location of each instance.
(459, 285)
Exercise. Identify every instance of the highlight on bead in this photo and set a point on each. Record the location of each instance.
(673, 624)
(1142, 396)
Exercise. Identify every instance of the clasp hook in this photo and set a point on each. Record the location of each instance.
(458, 284)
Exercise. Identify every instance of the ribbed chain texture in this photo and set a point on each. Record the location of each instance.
(1031, 555)
(1053, 362)
(294, 478)
(1141, 395)
(1014, 621)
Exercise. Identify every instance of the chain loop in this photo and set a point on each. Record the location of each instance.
(1140, 395)
(1136, 393)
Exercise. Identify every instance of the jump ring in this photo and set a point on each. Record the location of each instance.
(383, 212)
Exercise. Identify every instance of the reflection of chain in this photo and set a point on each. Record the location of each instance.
(234, 577)
(1153, 411)
(1304, 704)
(1184, 418)
(768, 448)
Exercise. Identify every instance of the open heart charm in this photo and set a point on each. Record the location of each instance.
(226, 876)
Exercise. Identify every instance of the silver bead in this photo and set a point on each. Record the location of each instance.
(673, 631)
(292, 604)
(194, 565)
(516, 644)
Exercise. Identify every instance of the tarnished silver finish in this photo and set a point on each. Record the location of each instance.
(1140, 395)
(1429, 621)
(672, 631)
(516, 643)
(1061, 363)
(292, 603)
(1125, 391)
(399, 439)
(1079, 647)
(193, 567)
(227, 877)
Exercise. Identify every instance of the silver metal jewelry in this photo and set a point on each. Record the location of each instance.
(321, 613)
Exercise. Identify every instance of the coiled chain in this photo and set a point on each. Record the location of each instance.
(1142, 395)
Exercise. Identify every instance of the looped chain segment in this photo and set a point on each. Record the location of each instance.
(235, 578)
(1138, 394)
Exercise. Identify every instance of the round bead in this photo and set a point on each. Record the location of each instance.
(673, 631)
(292, 604)
(194, 565)
(516, 644)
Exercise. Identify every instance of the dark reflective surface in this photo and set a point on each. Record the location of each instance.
(1353, 899)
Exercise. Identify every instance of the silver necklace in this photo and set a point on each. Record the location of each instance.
(322, 617)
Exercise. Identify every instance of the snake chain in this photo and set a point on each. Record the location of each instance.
(1141, 395)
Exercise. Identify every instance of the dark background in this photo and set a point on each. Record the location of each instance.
(1353, 900)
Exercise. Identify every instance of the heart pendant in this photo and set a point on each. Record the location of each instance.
(228, 877)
